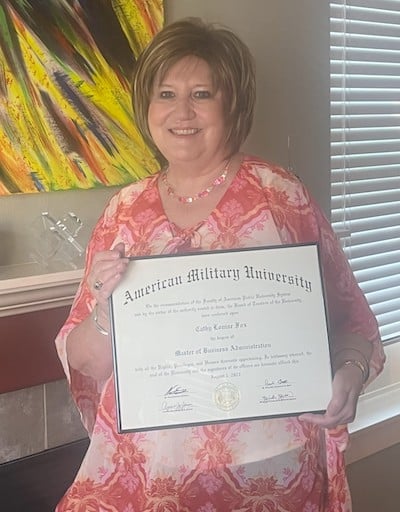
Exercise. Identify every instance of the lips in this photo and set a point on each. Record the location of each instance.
(184, 131)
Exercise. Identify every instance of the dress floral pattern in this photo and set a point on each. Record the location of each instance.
(275, 465)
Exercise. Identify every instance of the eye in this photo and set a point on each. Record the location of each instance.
(166, 94)
(202, 94)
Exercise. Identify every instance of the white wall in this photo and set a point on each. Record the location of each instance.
(290, 42)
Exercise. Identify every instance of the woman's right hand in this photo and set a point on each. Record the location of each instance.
(106, 272)
(89, 343)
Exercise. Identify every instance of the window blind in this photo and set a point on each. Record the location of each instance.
(365, 148)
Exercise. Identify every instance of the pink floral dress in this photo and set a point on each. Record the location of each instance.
(275, 465)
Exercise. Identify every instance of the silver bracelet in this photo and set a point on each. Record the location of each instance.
(101, 329)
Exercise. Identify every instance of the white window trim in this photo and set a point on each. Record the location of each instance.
(377, 424)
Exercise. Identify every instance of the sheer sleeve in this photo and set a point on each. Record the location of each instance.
(299, 219)
(348, 308)
(85, 390)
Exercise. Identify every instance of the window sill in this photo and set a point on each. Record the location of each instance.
(377, 425)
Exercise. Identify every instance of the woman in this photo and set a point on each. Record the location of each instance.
(193, 98)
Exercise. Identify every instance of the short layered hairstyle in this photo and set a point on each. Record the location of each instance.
(232, 67)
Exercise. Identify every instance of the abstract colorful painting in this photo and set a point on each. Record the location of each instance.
(65, 106)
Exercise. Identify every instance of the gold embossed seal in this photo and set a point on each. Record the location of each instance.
(226, 396)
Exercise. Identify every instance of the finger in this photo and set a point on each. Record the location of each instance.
(109, 266)
(335, 414)
(105, 277)
(102, 296)
(108, 273)
(105, 256)
(120, 248)
(329, 424)
(343, 404)
(322, 420)
(337, 404)
(106, 260)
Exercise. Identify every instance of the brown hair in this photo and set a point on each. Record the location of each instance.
(230, 61)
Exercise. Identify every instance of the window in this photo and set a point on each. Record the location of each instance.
(365, 148)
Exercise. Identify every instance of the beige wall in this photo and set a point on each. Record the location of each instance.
(290, 41)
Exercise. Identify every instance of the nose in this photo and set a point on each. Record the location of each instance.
(184, 109)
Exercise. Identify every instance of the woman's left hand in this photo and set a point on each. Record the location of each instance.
(346, 388)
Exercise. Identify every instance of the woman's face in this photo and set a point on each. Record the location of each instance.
(186, 118)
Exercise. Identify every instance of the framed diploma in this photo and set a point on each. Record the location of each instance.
(220, 336)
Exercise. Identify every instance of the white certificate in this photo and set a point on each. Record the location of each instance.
(220, 336)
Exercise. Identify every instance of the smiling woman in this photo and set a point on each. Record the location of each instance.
(193, 96)
(194, 104)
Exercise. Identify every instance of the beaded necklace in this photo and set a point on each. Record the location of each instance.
(219, 180)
